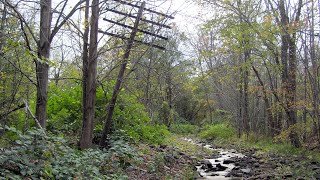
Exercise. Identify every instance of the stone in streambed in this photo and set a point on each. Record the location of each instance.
(316, 176)
(288, 175)
(228, 161)
(234, 173)
(236, 168)
(212, 174)
(256, 165)
(246, 171)
(207, 165)
(314, 167)
(219, 167)
(130, 168)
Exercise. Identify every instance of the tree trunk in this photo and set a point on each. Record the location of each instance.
(314, 79)
(42, 67)
(288, 58)
(246, 95)
(267, 104)
(89, 87)
(147, 101)
(240, 104)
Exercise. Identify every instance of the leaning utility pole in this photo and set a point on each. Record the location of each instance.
(130, 41)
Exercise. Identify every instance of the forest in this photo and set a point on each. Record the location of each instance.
(130, 89)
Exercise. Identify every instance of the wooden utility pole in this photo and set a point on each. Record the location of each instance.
(130, 41)
(107, 125)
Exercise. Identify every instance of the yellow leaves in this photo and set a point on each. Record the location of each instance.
(255, 89)
(267, 19)
(298, 128)
(2, 75)
(294, 26)
(85, 24)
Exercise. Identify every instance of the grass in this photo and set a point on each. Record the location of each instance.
(224, 135)
(223, 131)
(266, 146)
(183, 129)
(186, 147)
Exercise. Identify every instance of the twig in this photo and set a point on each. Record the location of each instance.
(27, 109)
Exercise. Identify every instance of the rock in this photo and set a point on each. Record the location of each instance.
(193, 157)
(212, 174)
(130, 168)
(199, 175)
(207, 165)
(262, 176)
(206, 162)
(256, 165)
(228, 161)
(288, 175)
(234, 174)
(159, 150)
(163, 146)
(216, 160)
(314, 162)
(300, 178)
(236, 168)
(219, 167)
(169, 158)
(246, 171)
(215, 156)
(316, 176)
(314, 167)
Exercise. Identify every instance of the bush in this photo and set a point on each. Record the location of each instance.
(39, 156)
(64, 108)
(222, 131)
(154, 134)
(64, 113)
(184, 129)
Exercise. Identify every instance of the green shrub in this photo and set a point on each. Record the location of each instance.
(222, 131)
(64, 108)
(184, 129)
(65, 113)
(38, 156)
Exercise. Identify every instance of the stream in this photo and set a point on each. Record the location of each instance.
(230, 164)
(218, 166)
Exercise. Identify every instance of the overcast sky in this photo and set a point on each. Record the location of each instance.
(186, 12)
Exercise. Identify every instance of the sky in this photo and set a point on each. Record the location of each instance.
(188, 15)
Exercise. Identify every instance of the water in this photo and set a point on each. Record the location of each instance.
(219, 169)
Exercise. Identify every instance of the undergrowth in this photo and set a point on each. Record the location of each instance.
(220, 131)
(35, 155)
(225, 135)
(184, 129)
(187, 147)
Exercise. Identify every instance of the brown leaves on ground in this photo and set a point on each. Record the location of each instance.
(161, 162)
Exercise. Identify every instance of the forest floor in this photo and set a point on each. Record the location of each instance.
(178, 158)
